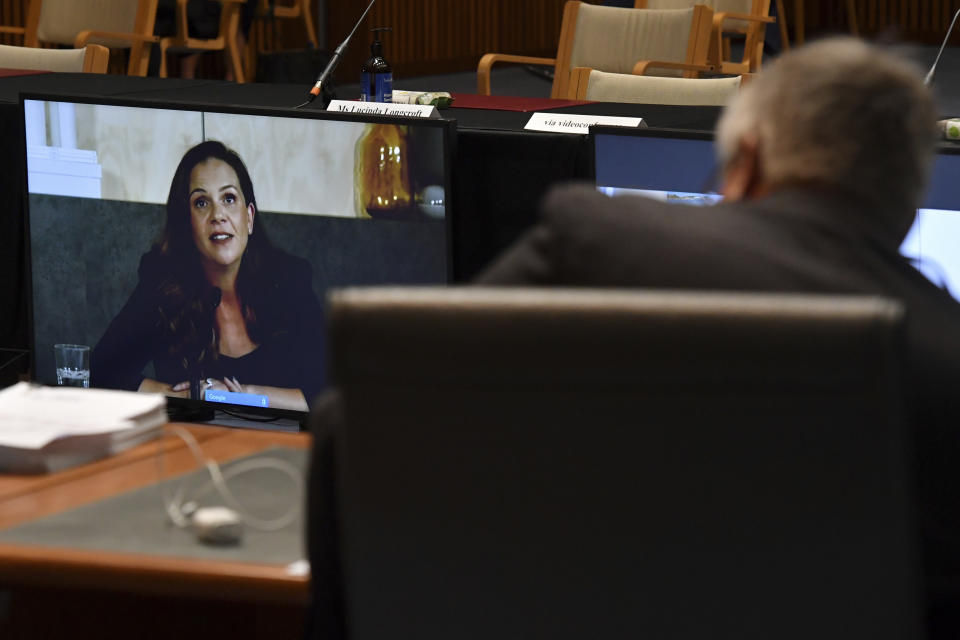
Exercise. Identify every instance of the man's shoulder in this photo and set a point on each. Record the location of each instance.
(580, 211)
(567, 204)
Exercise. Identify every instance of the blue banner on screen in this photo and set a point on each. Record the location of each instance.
(231, 397)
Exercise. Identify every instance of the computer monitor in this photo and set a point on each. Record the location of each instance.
(670, 165)
(932, 242)
(680, 166)
(191, 248)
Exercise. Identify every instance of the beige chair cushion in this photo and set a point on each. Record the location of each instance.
(731, 6)
(614, 39)
(62, 60)
(674, 4)
(618, 87)
(62, 20)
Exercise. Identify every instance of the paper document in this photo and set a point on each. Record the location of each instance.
(50, 428)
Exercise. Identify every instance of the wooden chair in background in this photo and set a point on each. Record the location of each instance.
(226, 39)
(92, 58)
(115, 24)
(619, 40)
(265, 33)
(746, 18)
(295, 10)
(590, 84)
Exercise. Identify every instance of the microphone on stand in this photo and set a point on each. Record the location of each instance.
(319, 86)
(927, 80)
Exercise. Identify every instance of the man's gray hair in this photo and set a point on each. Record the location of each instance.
(839, 113)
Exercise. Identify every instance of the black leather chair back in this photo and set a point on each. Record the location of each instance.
(608, 464)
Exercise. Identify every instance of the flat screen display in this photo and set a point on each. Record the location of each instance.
(933, 241)
(190, 251)
(681, 167)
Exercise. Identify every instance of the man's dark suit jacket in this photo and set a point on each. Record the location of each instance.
(802, 240)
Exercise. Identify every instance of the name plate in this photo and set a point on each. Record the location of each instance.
(384, 109)
(570, 123)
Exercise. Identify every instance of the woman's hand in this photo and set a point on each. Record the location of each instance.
(212, 384)
(227, 384)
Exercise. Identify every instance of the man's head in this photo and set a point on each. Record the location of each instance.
(838, 114)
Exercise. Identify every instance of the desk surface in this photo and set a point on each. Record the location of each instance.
(286, 96)
(27, 498)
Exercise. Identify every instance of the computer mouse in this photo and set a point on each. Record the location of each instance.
(217, 525)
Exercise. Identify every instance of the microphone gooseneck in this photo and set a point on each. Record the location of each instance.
(929, 78)
(318, 86)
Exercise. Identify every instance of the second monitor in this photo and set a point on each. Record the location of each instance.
(680, 166)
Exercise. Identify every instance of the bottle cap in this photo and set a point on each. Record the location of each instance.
(376, 47)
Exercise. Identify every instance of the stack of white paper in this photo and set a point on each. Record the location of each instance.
(51, 428)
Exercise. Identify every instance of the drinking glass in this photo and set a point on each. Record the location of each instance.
(73, 364)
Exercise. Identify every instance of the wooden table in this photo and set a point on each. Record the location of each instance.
(236, 599)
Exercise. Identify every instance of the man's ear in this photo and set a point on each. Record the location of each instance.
(743, 177)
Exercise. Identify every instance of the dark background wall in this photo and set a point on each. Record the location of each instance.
(440, 36)
(85, 254)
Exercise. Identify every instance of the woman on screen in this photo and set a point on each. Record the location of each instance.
(217, 308)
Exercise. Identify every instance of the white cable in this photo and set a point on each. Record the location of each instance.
(179, 512)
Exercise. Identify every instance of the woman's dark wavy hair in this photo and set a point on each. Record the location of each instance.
(188, 301)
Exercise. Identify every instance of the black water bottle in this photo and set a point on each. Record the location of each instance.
(376, 76)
